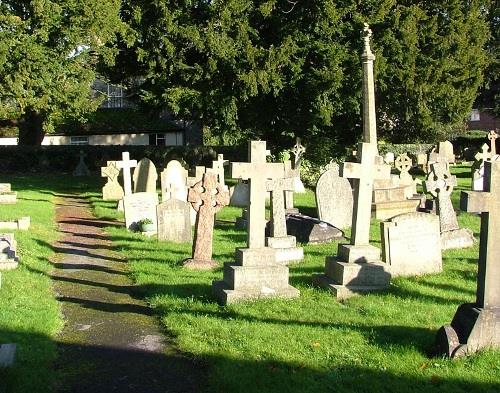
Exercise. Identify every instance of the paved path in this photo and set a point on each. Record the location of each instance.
(111, 342)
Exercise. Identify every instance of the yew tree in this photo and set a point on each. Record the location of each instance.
(49, 51)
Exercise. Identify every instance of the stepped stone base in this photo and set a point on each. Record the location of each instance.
(471, 329)
(459, 238)
(286, 249)
(198, 264)
(364, 271)
(387, 210)
(8, 198)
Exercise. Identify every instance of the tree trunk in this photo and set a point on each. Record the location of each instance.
(31, 128)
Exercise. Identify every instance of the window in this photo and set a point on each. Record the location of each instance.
(79, 140)
(167, 139)
(474, 116)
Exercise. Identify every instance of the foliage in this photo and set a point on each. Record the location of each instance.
(277, 69)
(48, 55)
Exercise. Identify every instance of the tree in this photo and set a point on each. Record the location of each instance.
(48, 55)
(277, 69)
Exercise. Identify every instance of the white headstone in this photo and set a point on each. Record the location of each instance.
(139, 206)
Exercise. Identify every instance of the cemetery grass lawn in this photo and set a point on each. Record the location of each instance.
(372, 343)
(29, 313)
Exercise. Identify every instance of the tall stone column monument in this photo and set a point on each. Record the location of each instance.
(477, 325)
(369, 118)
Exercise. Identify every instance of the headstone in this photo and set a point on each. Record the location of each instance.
(239, 194)
(477, 325)
(446, 150)
(7, 196)
(139, 206)
(8, 252)
(411, 244)
(440, 183)
(145, 176)
(207, 197)
(174, 221)
(389, 158)
(422, 161)
(112, 190)
(218, 168)
(403, 164)
(198, 176)
(174, 182)
(81, 169)
(298, 152)
(256, 272)
(7, 355)
(334, 199)
(492, 137)
(125, 165)
(278, 239)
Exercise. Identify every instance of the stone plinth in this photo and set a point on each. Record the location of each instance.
(22, 224)
(8, 198)
(286, 249)
(8, 252)
(387, 210)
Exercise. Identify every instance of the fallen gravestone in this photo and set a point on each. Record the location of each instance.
(138, 207)
(207, 197)
(411, 244)
(145, 176)
(174, 221)
(334, 199)
(8, 252)
(477, 325)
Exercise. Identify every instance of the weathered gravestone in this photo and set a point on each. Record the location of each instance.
(81, 169)
(284, 244)
(477, 325)
(7, 196)
(174, 182)
(125, 165)
(7, 355)
(218, 168)
(411, 244)
(198, 176)
(477, 168)
(112, 190)
(145, 176)
(440, 183)
(139, 206)
(256, 272)
(334, 199)
(492, 137)
(174, 221)
(389, 158)
(8, 252)
(207, 197)
(298, 152)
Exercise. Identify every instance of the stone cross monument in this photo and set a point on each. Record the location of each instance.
(477, 325)
(207, 197)
(218, 168)
(369, 118)
(126, 164)
(492, 136)
(112, 190)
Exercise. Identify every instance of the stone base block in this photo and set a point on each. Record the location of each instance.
(8, 264)
(387, 210)
(355, 253)
(341, 291)
(7, 354)
(226, 295)
(281, 242)
(8, 198)
(255, 256)
(286, 250)
(292, 210)
(459, 238)
(198, 264)
(371, 274)
(471, 329)
(389, 194)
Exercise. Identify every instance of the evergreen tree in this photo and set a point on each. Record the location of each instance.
(48, 56)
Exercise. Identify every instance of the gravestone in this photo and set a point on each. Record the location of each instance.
(403, 164)
(446, 150)
(81, 169)
(278, 239)
(198, 176)
(298, 152)
(7, 355)
(112, 190)
(7, 196)
(8, 252)
(440, 183)
(138, 206)
(477, 325)
(289, 199)
(145, 176)
(125, 165)
(334, 199)
(422, 161)
(389, 158)
(174, 182)
(218, 168)
(411, 244)
(256, 273)
(174, 221)
(477, 168)
(207, 197)
(492, 137)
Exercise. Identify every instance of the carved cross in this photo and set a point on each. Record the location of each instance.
(492, 136)
(126, 164)
(111, 171)
(488, 204)
(484, 155)
(365, 171)
(298, 151)
(218, 168)
(207, 197)
(257, 171)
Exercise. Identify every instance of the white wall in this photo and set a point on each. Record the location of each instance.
(8, 141)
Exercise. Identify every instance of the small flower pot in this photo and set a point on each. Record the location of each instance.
(148, 227)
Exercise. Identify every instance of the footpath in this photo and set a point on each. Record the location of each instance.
(111, 341)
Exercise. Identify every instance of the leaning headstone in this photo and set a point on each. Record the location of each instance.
(112, 190)
(81, 169)
(174, 182)
(145, 176)
(411, 244)
(139, 206)
(284, 244)
(7, 196)
(8, 252)
(256, 272)
(7, 355)
(174, 221)
(125, 165)
(207, 197)
(334, 199)
(440, 183)
(477, 325)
